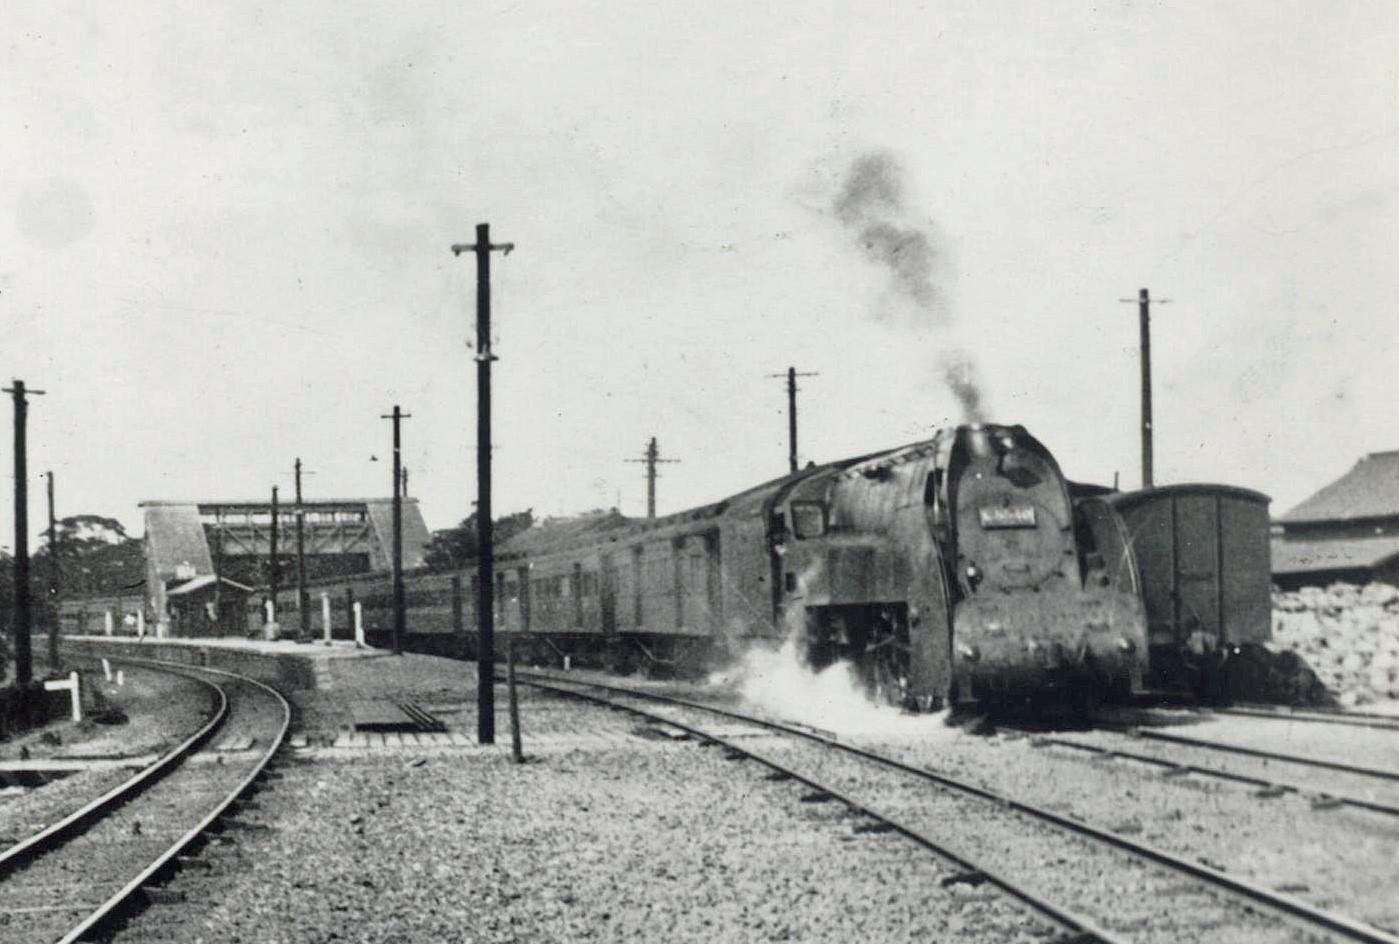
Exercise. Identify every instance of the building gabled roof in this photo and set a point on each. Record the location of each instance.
(1369, 490)
(205, 580)
(1292, 556)
(552, 532)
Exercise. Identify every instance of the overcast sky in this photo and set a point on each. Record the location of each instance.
(224, 235)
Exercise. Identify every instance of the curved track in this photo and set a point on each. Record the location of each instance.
(1161, 897)
(85, 875)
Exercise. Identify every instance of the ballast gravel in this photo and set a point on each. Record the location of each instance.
(644, 839)
(157, 711)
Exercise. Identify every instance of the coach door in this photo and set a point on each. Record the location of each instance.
(608, 594)
(1198, 590)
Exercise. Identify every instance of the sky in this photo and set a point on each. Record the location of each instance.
(225, 231)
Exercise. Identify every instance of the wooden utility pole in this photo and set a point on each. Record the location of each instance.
(218, 572)
(274, 569)
(792, 375)
(1144, 316)
(400, 485)
(24, 655)
(54, 577)
(485, 581)
(303, 610)
(651, 456)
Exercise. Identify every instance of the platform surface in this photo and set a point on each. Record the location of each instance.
(336, 649)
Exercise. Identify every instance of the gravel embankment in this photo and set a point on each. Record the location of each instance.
(636, 838)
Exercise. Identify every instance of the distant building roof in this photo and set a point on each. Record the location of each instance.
(175, 540)
(1370, 490)
(1303, 556)
(205, 580)
(555, 531)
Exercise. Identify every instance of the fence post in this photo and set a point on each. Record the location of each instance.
(325, 616)
(359, 625)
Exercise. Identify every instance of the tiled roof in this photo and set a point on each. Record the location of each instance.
(1300, 557)
(556, 531)
(1370, 490)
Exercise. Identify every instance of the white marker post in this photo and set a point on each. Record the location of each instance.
(141, 623)
(107, 622)
(74, 700)
(325, 616)
(107, 668)
(121, 677)
(359, 625)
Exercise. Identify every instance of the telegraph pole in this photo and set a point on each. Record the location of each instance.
(400, 486)
(53, 581)
(302, 609)
(24, 656)
(651, 456)
(792, 375)
(485, 580)
(1144, 316)
(274, 570)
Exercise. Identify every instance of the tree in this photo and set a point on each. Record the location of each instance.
(451, 548)
(95, 556)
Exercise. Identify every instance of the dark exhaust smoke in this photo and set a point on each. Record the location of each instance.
(871, 205)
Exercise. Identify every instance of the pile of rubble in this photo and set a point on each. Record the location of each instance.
(1348, 635)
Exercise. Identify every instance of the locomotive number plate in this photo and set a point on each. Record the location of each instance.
(1007, 516)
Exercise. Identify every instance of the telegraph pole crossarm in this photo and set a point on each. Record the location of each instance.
(792, 374)
(651, 456)
(400, 487)
(1143, 302)
(24, 655)
(485, 581)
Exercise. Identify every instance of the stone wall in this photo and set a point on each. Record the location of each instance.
(1349, 636)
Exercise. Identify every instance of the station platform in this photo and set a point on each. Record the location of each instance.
(286, 664)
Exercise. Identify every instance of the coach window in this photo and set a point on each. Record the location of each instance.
(808, 519)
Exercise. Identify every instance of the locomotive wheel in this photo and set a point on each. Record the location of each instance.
(890, 685)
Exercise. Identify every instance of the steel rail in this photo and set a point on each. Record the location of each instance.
(1283, 904)
(1085, 931)
(114, 904)
(1177, 768)
(56, 834)
(1150, 735)
(1352, 719)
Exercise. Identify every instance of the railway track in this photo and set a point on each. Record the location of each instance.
(82, 877)
(1355, 719)
(1099, 886)
(1322, 795)
(1242, 750)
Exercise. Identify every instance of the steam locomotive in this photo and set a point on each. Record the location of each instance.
(961, 567)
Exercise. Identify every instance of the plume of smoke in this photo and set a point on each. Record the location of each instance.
(959, 373)
(871, 205)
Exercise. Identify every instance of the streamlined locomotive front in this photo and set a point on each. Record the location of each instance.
(1031, 610)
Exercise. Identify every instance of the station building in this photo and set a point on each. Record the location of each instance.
(1347, 532)
(204, 559)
